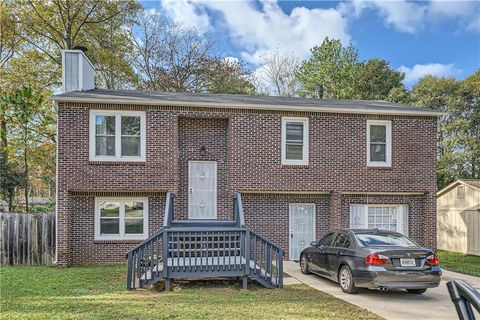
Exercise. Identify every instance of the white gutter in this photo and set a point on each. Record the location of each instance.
(160, 102)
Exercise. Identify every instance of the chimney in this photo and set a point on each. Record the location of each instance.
(78, 72)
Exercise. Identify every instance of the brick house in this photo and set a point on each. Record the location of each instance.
(302, 166)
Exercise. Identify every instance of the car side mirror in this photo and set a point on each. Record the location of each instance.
(313, 243)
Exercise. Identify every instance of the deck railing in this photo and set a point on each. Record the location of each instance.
(145, 261)
(266, 260)
(204, 249)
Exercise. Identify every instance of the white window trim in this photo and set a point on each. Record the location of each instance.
(388, 147)
(121, 235)
(402, 222)
(304, 160)
(118, 141)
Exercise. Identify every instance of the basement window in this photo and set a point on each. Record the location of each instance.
(294, 141)
(121, 219)
(117, 135)
(379, 143)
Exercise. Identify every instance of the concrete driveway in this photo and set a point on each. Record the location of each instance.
(398, 304)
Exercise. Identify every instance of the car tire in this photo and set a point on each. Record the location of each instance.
(416, 291)
(304, 265)
(345, 280)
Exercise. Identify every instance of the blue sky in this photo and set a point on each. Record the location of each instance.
(417, 37)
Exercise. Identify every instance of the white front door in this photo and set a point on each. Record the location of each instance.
(202, 190)
(302, 228)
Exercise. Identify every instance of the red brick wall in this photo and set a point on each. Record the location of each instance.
(84, 249)
(268, 215)
(193, 134)
(248, 142)
(421, 220)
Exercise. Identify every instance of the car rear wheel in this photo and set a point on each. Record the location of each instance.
(345, 279)
(416, 291)
(304, 264)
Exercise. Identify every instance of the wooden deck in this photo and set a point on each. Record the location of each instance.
(201, 249)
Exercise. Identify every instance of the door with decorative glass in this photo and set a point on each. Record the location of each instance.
(302, 228)
(202, 190)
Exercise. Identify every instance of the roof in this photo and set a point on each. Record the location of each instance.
(473, 183)
(237, 101)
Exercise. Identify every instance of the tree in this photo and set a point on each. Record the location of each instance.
(459, 129)
(331, 71)
(399, 95)
(226, 76)
(9, 42)
(375, 80)
(168, 57)
(32, 123)
(280, 71)
(52, 26)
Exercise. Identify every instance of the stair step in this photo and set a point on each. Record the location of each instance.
(154, 273)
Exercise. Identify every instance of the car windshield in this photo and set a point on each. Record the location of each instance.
(384, 239)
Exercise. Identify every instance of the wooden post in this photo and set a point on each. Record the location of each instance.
(129, 271)
(247, 252)
(280, 268)
(245, 282)
(167, 284)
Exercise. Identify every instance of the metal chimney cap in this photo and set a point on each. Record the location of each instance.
(81, 48)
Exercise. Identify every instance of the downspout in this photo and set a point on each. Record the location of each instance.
(56, 189)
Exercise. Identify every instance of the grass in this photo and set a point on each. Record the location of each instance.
(459, 262)
(98, 292)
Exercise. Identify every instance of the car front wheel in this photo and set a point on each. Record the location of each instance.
(304, 265)
(416, 291)
(345, 279)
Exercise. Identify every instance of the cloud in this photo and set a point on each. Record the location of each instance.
(407, 16)
(187, 14)
(413, 74)
(259, 28)
(231, 59)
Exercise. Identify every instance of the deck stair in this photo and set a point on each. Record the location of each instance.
(186, 249)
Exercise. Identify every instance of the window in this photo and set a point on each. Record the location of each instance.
(119, 219)
(117, 135)
(383, 217)
(294, 141)
(379, 143)
(461, 192)
(327, 240)
(385, 239)
(342, 241)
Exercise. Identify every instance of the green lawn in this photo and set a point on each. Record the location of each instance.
(459, 262)
(40, 292)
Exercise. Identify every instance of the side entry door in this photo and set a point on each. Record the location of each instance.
(302, 228)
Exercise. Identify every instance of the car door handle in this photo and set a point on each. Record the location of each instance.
(339, 253)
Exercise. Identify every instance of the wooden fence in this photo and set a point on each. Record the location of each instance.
(27, 238)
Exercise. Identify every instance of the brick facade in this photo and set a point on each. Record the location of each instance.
(246, 145)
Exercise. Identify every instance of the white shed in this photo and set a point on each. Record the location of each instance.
(458, 217)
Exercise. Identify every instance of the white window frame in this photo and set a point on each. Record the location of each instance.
(362, 209)
(388, 143)
(304, 160)
(118, 141)
(121, 235)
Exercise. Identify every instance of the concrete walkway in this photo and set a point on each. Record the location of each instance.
(398, 304)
